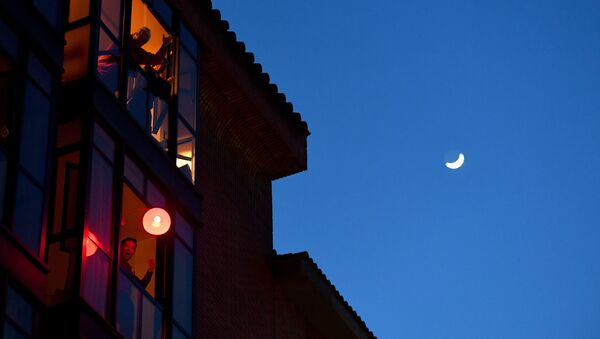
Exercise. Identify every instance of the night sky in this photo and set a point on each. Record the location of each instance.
(507, 246)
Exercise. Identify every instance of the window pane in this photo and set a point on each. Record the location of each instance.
(99, 218)
(177, 334)
(155, 198)
(183, 266)
(141, 16)
(159, 120)
(128, 308)
(10, 332)
(65, 204)
(164, 11)
(78, 9)
(134, 175)
(48, 8)
(104, 142)
(39, 73)
(137, 97)
(151, 319)
(7, 98)
(76, 53)
(95, 279)
(111, 16)
(188, 41)
(68, 133)
(61, 258)
(187, 88)
(185, 150)
(19, 310)
(184, 230)
(27, 223)
(34, 131)
(108, 62)
(8, 40)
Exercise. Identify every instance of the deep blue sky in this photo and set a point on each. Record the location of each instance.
(508, 246)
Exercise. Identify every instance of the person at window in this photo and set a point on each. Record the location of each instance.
(152, 64)
(128, 247)
(141, 56)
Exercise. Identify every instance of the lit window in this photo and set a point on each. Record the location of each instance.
(138, 313)
(187, 105)
(97, 241)
(150, 75)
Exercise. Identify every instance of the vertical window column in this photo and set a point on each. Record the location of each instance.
(99, 223)
(33, 148)
(187, 104)
(109, 44)
(183, 278)
(19, 316)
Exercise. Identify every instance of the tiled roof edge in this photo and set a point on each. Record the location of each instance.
(255, 69)
(306, 258)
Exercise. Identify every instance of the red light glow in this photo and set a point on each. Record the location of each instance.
(90, 244)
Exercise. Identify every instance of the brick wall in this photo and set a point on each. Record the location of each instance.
(235, 285)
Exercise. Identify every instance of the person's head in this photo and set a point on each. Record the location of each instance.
(141, 36)
(128, 247)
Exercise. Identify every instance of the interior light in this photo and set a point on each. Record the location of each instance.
(156, 221)
(90, 244)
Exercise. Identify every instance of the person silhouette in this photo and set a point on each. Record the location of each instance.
(128, 248)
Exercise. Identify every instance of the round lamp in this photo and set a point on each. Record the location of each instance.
(90, 244)
(156, 221)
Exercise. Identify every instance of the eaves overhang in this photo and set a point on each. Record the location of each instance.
(309, 289)
(272, 131)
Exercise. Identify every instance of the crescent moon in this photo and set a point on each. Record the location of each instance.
(456, 164)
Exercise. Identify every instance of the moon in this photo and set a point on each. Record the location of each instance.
(457, 163)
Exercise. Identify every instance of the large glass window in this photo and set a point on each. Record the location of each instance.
(138, 313)
(31, 170)
(99, 223)
(150, 75)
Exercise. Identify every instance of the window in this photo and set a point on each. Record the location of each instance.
(187, 104)
(28, 183)
(183, 277)
(109, 55)
(139, 315)
(62, 254)
(150, 74)
(7, 106)
(49, 9)
(140, 65)
(19, 320)
(99, 223)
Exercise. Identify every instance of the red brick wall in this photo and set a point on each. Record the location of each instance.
(235, 285)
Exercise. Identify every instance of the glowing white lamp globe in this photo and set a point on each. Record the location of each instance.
(156, 221)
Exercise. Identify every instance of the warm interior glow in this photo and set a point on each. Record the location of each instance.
(141, 16)
(76, 53)
(156, 221)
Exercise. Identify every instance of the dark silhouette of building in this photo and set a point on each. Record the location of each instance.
(111, 107)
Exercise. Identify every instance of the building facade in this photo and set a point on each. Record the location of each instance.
(109, 108)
